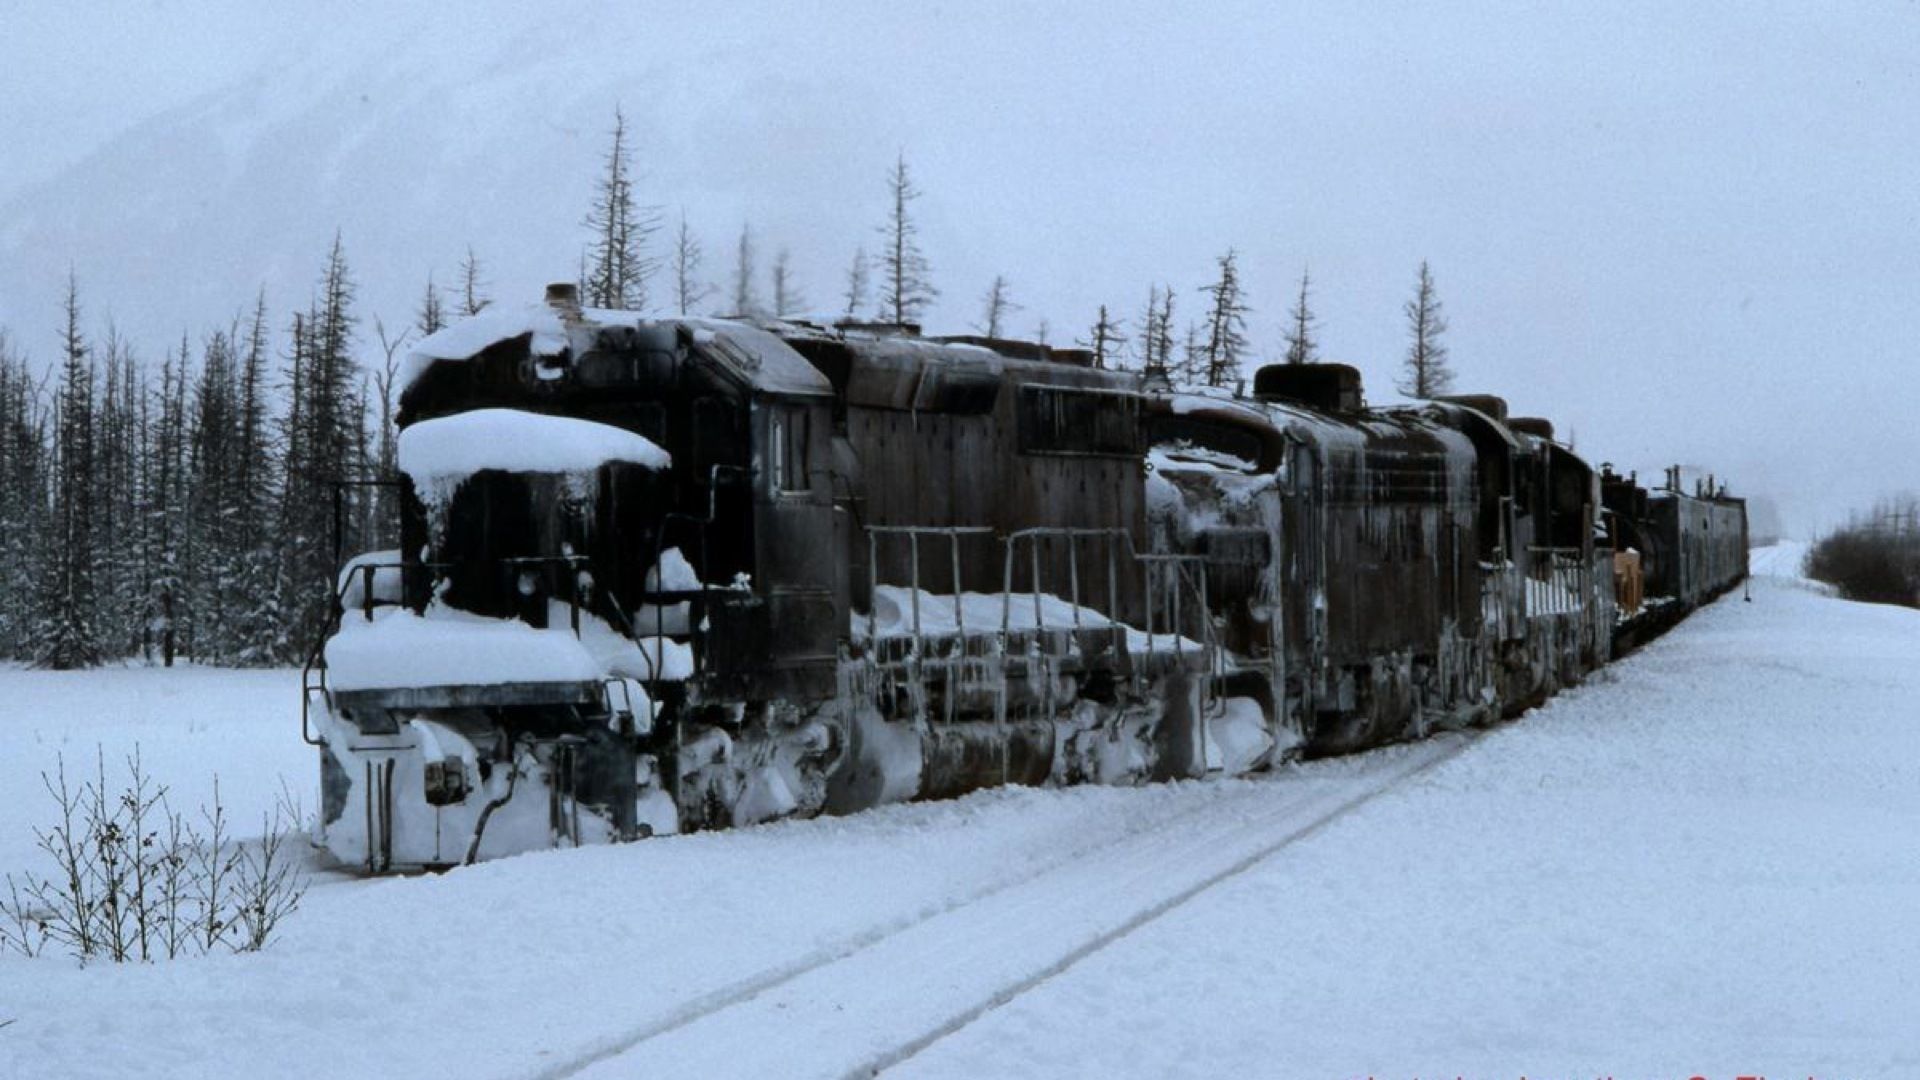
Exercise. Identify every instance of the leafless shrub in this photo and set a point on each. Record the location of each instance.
(134, 880)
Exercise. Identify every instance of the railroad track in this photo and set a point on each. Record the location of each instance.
(874, 1001)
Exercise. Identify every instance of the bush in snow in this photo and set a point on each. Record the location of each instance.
(134, 880)
(1871, 561)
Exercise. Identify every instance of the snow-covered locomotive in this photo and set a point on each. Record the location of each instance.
(664, 574)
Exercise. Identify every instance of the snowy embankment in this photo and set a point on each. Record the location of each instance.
(1706, 861)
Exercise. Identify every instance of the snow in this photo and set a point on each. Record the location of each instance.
(397, 648)
(189, 723)
(1706, 861)
(447, 647)
(449, 448)
(944, 614)
(467, 337)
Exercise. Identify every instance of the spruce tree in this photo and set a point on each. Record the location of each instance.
(787, 297)
(746, 299)
(65, 630)
(323, 435)
(23, 501)
(618, 265)
(688, 289)
(1226, 326)
(906, 287)
(1301, 346)
(432, 314)
(1105, 340)
(1425, 373)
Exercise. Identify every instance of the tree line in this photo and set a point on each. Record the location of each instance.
(620, 268)
(190, 506)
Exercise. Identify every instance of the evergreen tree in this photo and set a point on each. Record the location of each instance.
(258, 633)
(618, 265)
(905, 286)
(746, 301)
(23, 501)
(1301, 346)
(65, 630)
(1226, 328)
(323, 436)
(120, 501)
(213, 503)
(432, 314)
(165, 512)
(1105, 340)
(1425, 372)
(787, 297)
(1194, 363)
(688, 290)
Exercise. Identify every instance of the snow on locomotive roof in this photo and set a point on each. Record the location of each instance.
(465, 338)
(760, 357)
(449, 447)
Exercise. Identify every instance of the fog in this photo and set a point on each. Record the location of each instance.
(1683, 233)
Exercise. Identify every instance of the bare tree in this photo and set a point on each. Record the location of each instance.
(472, 286)
(618, 266)
(905, 288)
(996, 305)
(1425, 373)
(856, 288)
(1226, 334)
(1156, 334)
(1105, 339)
(787, 297)
(688, 289)
(384, 515)
(1301, 346)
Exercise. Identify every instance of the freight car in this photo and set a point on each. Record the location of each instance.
(1673, 550)
(657, 575)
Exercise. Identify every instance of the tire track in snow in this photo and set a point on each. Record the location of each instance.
(863, 1006)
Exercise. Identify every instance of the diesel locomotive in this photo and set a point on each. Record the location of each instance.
(659, 575)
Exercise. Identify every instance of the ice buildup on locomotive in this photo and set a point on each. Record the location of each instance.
(661, 574)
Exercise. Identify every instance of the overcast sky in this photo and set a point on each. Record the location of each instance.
(1682, 232)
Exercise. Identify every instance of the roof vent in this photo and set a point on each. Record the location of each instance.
(1326, 387)
(1535, 426)
(564, 297)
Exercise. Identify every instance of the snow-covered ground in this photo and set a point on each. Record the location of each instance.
(189, 724)
(1707, 861)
